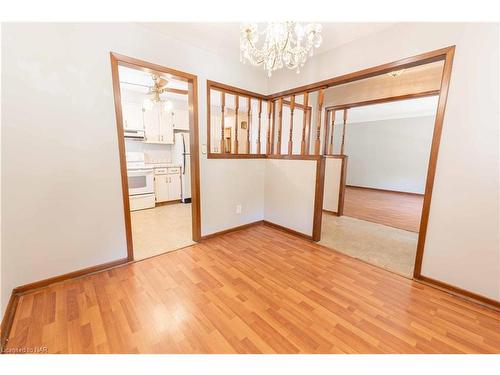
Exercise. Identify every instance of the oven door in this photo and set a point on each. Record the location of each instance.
(140, 181)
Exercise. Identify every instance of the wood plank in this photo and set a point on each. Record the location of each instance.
(257, 290)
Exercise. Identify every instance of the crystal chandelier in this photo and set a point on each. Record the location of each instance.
(285, 44)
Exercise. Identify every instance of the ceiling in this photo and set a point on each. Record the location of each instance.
(224, 38)
(139, 81)
(419, 107)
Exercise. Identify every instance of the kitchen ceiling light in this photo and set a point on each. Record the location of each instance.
(285, 44)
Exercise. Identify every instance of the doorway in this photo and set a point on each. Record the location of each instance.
(379, 140)
(157, 127)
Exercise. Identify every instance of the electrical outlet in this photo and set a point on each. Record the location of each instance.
(238, 208)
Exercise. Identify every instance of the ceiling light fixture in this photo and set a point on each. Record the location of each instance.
(285, 44)
(153, 95)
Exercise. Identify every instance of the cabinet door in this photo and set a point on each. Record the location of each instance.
(152, 125)
(132, 116)
(181, 119)
(166, 129)
(161, 188)
(174, 186)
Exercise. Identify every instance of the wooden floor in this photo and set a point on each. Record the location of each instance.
(257, 290)
(398, 210)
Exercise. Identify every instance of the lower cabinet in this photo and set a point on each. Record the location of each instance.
(167, 184)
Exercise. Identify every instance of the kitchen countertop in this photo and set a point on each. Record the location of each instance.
(163, 165)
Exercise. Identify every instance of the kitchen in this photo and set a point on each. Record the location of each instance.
(156, 131)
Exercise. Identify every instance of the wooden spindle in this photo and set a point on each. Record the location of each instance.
(308, 131)
(327, 133)
(237, 108)
(317, 143)
(330, 151)
(260, 124)
(304, 124)
(343, 133)
(222, 110)
(280, 125)
(290, 135)
(249, 118)
(270, 120)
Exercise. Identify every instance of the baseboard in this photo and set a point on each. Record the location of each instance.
(459, 292)
(287, 230)
(331, 212)
(67, 276)
(166, 203)
(8, 319)
(385, 190)
(233, 229)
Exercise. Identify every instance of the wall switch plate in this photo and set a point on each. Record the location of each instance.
(238, 208)
(203, 149)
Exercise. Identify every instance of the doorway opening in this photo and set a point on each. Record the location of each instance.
(378, 142)
(156, 116)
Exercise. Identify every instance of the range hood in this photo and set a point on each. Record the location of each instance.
(134, 134)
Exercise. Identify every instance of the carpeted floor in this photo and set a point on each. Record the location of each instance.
(391, 248)
(161, 229)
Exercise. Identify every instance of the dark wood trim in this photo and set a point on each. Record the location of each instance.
(287, 230)
(456, 291)
(431, 171)
(215, 155)
(121, 152)
(8, 319)
(67, 276)
(294, 157)
(192, 80)
(385, 190)
(167, 203)
(234, 90)
(318, 198)
(329, 212)
(343, 177)
(409, 62)
(233, 229)
(389, 99)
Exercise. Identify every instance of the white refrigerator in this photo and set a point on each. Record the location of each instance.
(182, 157)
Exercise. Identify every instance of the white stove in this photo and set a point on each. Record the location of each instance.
(140, 182)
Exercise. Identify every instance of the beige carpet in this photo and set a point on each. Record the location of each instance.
(161, 229)
(391, 248)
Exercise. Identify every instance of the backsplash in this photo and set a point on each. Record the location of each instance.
(152, 153)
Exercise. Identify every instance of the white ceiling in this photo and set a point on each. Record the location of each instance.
(393, 110)
(224, 38)
(139, 81)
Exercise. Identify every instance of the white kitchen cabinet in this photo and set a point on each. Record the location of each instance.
(174, 186)
(167, 184)
(158, 126)
(161, 188)
(132, 116)
(180, 119)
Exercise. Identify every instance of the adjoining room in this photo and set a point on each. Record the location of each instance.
(157, 145)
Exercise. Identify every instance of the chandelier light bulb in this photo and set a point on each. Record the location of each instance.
(284, 44)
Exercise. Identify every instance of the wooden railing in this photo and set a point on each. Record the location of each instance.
(244, 124)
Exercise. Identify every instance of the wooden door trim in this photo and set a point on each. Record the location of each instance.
(192, 80)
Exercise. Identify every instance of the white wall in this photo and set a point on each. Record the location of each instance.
(62, 199)
(289, 193)
(462, 245)
(333, 171)
(389, 154)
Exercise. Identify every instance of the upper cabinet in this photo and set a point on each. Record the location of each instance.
(180, 118)
(132, 116)
(158, 126)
